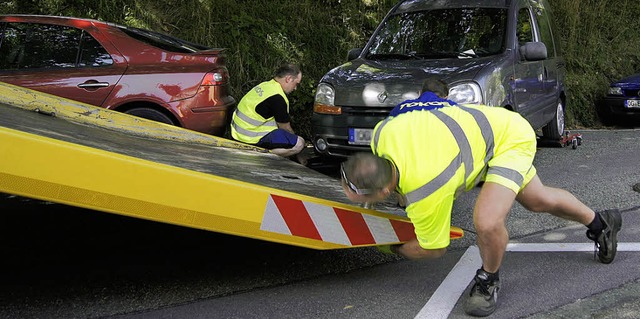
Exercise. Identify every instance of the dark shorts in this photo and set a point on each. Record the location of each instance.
(278, 138)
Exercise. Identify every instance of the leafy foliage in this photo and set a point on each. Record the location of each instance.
(601, 45)
(598, 36)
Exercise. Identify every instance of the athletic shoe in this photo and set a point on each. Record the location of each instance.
(606, 243)
(483, 296)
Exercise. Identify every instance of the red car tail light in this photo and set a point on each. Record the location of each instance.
(216, 77)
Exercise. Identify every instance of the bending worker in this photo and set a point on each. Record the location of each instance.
(262, 116)
(430, 149)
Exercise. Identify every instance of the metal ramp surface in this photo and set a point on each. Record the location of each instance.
(67, 152)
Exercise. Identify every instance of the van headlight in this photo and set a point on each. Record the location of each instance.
(325, 99)
(466, 93)
(325, 94)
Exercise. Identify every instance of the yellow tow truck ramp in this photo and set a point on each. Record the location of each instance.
(67, 152)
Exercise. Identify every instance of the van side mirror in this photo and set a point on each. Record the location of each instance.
(533, 51)
(354, 54)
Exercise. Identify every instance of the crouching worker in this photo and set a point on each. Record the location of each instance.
(262, 116)
(429, 152)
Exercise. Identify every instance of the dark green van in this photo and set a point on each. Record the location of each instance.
(499, 53)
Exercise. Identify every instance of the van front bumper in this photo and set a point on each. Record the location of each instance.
(331, 132)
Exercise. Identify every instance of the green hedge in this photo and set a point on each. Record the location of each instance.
(601, 42)
(600, 38)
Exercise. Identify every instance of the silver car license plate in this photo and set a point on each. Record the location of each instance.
(360, 136)
(632, 104)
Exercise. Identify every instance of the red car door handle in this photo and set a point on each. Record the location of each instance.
(93, 85)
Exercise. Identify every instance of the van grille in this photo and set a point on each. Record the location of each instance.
(382, 111)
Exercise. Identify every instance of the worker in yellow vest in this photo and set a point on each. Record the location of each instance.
(262, 117)
(431, 149)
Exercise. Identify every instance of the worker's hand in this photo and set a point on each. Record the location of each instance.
(402, 201)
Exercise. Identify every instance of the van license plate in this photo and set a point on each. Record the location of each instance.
(360, 136)
(632, 104)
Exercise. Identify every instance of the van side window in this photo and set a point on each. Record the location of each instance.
(525, 29)
(544, 24)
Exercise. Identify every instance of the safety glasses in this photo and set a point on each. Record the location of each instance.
(352, 187)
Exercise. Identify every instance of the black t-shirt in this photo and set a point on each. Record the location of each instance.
(275, 106)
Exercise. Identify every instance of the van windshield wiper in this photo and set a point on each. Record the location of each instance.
(394, 56)
(467, 54)
(461, 55)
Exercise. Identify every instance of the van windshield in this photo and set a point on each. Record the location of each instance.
(443, 33)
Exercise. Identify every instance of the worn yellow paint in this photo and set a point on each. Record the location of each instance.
(105, 181)
(49, 169)
(88, 114)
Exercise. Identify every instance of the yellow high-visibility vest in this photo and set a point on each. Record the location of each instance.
(247, 125)
(440, 153)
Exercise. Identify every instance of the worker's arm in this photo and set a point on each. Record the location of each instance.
(412, 250)
(286, 126)
(275, 106)
(431, 218)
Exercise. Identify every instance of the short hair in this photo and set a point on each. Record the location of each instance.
(437, 86)
(368, 171)
(287, 69)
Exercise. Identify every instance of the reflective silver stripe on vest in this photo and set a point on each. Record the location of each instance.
(376, 137)
(487, 134)
(485, 129)
(464, 156)
(462, 140)
(254, 122)
(507, 173)
(247, 132)
(434, 184)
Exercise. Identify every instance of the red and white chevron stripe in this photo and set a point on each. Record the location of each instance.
(330, 224)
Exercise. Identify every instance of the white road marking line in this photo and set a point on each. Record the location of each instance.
(453, 286)
(575, 247)
(445, 297)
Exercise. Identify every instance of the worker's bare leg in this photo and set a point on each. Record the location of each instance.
(286, 152)
(492, 207)
(602, 230)
(490, 213)
(495, 201)
(558, 202)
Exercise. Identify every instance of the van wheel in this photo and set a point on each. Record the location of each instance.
(150, 114)
(555, 128)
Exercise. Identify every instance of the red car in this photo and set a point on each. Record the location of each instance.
(131, 70)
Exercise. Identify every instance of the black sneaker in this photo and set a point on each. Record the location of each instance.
(483, 296)
(607, 241)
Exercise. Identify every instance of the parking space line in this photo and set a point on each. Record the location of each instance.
(446, 296)
(453, 286)
(575, 247)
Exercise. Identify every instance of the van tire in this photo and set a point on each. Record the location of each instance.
(555, 128)
(150, 114)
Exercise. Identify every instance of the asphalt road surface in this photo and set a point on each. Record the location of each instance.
(67, 262)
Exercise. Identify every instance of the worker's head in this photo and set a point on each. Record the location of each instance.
(367, 178)
(436, 86)
(289, 76)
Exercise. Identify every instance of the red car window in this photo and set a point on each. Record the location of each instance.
(35, 46)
